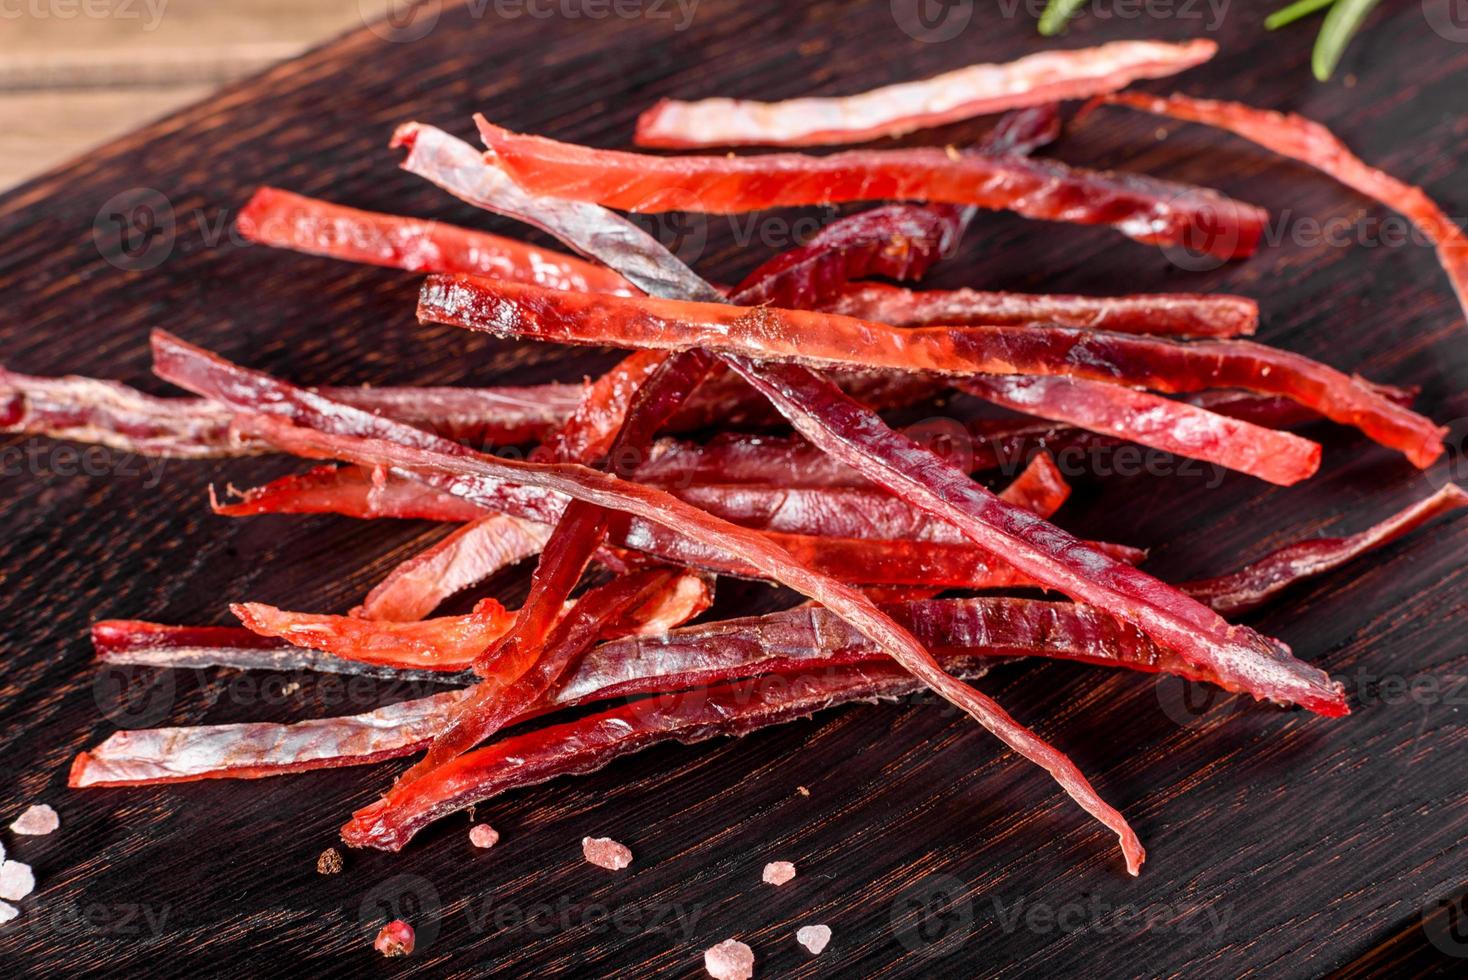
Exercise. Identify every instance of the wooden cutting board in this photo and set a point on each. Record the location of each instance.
(1277, 841)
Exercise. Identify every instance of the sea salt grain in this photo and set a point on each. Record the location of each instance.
(483, 835)
(730, 960)
(37, 821)
(813, 938)
(395, 939)
(16, 881)
(606, 853)
(778, 872)
(7, 912)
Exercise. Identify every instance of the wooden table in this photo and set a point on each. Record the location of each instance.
(1278, 842)
(69, 81)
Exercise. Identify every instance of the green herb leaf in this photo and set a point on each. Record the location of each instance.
(1057, 13)
(1340, 26)
(1295, 11)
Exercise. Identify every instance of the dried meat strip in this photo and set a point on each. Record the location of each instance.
(1144, 208)
(893, 110)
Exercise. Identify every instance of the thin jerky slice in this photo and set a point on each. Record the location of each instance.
(1309, 142)
(285, 220)
(141, 644)
(447, 643)
(1144, 208)
(1256, 583)
(893, 110)
(112, 414)
(900, 241)
(985, 444)
(1161, 423)
(468, 556)
(1168, 314)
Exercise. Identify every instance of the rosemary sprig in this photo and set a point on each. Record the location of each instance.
(1341, 24)
(1057, 13)
(1298, 10)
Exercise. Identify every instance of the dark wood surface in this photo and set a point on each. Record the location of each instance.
(1278, 842)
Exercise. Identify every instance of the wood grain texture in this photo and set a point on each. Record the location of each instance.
(1277, 842)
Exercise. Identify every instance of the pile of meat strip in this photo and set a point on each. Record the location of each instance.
(743, 435)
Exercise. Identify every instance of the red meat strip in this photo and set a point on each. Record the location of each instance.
(1144, 208)
(1161, 423)
(285, 220)
(1175, 314)
(893, 110)
(1311, 143)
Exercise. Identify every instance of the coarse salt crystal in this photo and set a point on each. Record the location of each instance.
(813, 938)
(778, 872)
(729, 960)
(606, 853)
(483, 835)
(7, 912)
(37, 821)
(395, 939)
(16, 880)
